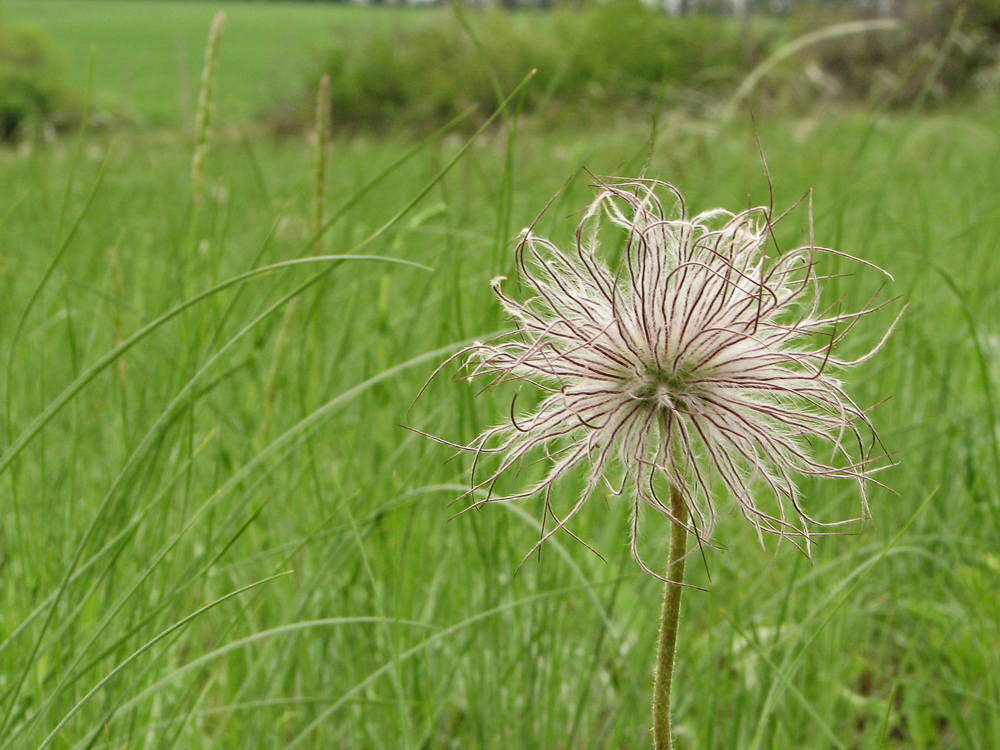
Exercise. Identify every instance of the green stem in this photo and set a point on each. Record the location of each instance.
(668, 625)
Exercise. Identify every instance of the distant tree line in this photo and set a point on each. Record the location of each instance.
(985, 11)
(682, 7)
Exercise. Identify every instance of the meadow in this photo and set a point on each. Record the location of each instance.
(216, 530)
(148, 54)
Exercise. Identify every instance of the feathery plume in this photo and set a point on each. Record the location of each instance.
(206, 106)
(698, 360)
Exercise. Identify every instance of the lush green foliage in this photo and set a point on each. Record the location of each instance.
(413, 68)
(626, 56)
(30, 88)
(606, 56)
(937, 53)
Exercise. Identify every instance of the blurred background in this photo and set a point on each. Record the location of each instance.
(399, 66)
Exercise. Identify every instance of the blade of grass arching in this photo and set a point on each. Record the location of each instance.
(422, 647)
(265, 660)
(184, 720)
(984, 371)
(293, 627)
(888, 715)
(109, 546)
(313, 421)
(289, 442)
(188, 579)
(301, 431)
(356, 198)
(179, 402)
(826, 729)
(521, 513)
(52, 599)
(430, 185)
(249, 640)
(110, 357)
(381, 176)
(143, 649)
(70, 672)
(12, 208)
(321, 532)
(490, 68)
(37, 292)
(786, 673)
(794, 47)
(951, 40)
(395, 677)
(147, 441)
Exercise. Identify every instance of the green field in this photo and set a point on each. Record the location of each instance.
(148, 53)
(176, 428)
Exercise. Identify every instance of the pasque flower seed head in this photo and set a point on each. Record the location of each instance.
(698, 361)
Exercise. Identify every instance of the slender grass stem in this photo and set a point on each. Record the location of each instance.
(668, 624)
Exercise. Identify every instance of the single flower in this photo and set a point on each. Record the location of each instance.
(699, 360)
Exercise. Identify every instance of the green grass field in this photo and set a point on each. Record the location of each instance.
(148, 53)
(176, 429)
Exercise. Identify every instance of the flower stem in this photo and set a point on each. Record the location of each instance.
(668, 624)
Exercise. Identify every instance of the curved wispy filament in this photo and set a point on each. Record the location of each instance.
(697, 362)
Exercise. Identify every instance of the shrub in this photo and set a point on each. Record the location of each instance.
(613, 55)
(620, 56)
(30, 90)
(913, 62)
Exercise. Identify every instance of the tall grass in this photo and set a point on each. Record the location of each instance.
(145, 513)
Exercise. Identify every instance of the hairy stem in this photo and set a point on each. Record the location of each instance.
(668, 624)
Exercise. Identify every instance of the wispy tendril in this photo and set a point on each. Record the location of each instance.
(699, 364)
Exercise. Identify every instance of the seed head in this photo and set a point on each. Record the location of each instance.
(698, 363)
